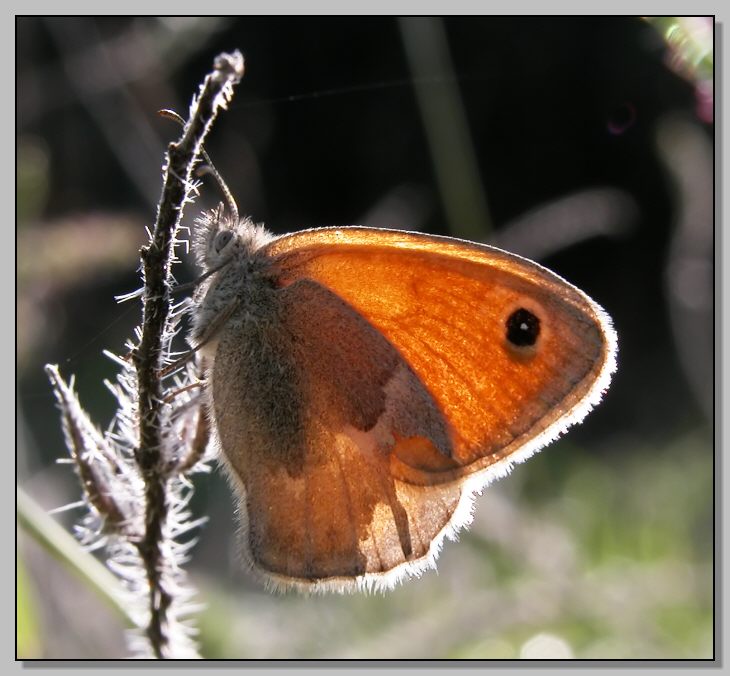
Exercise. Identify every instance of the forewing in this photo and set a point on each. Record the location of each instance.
(444, 306)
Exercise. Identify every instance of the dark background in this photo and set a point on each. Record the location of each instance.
(592, 126)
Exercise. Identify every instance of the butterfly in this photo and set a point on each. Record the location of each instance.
(363, 385)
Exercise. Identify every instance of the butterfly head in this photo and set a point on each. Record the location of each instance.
(220, 237)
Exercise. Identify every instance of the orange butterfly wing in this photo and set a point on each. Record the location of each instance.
(306, 396)
(444, 305)
(388, 376)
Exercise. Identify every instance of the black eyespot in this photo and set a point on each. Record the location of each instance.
(221, 240)
(523, 328)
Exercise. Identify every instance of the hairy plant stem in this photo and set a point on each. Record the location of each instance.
(149, 354)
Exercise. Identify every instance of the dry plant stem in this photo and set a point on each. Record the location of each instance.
(79, 433)
(156, 261)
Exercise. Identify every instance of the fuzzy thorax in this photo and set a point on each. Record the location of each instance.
(234, 247)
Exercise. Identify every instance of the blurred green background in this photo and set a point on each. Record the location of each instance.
(586, 143)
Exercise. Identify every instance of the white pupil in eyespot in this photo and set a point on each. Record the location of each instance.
(221, 239)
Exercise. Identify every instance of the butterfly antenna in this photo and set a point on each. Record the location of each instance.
(209, 167)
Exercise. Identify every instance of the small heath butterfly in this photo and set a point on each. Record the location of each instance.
(363, 385)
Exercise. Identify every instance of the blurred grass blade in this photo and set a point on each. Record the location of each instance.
(42, 528)
(446, 126)
(27, 644)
